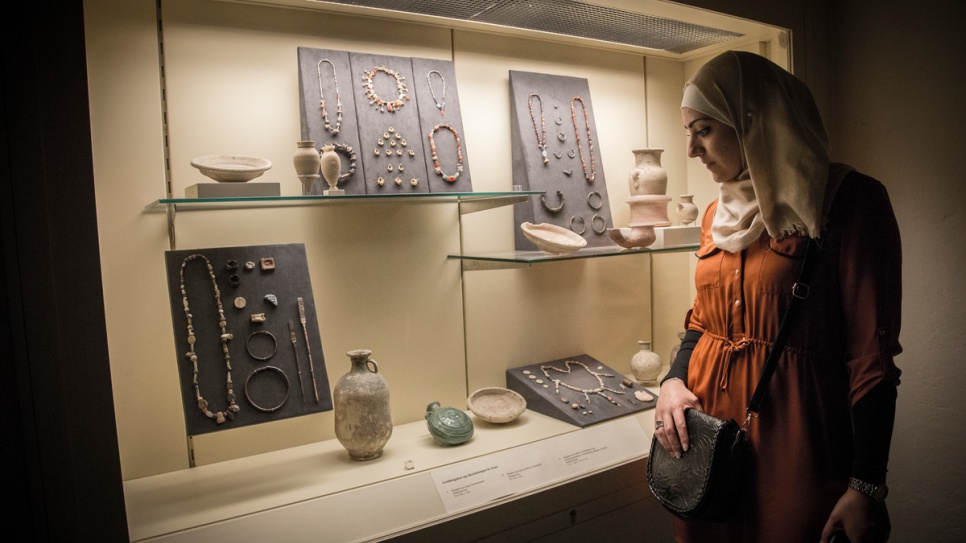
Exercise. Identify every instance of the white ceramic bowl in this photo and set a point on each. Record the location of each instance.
(231, 168)
(495, 404)
(553, 239)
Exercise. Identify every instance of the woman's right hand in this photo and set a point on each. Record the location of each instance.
(670, 426)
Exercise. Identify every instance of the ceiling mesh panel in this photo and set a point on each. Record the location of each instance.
(568, 18)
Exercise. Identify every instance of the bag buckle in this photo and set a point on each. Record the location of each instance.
(800, 291)
(744, 425)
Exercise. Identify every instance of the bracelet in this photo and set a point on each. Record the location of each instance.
(603, 222)
(248, 345)
(248, 394)
(583, 227)
(543, 200)
(600, 200)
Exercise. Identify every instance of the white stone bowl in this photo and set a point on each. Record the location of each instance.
(231, 168)
(553, 239)
(496, 404)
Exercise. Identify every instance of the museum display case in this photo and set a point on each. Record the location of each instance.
(429, 281)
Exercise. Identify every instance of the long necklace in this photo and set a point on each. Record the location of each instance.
(590, 174)
(375, 100)
(542, 131)
(441, 101)
(459, 153)
(232, 408)
(599, 390)
(338, 100)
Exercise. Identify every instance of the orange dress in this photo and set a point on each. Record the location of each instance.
(841, 345)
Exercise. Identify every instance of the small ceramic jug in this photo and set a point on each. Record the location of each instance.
(687, 210)
(331, 164)
(646, 364)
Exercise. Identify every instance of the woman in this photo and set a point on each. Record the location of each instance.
(819, 447)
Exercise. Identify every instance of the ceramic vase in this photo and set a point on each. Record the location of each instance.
(331, 164)
(646, 364)
(360, 400)
(307, 164)
(687, 211)
(647, 176)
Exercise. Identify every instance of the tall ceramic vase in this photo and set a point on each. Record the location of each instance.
(363, 423)
(307, 164)
(647, 176)
(331, 170)
(646, 364)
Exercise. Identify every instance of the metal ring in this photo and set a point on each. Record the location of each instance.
(248, 394)
(600, 200)
(543, 200)
(571, 153)
(603, 222)
(234, 280)
(231, 265)
(561, 136)
(583, 226)
(248, 345)
(658, 424)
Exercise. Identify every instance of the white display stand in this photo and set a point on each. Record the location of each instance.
(315, 490)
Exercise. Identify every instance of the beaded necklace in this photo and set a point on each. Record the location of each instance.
(592, 173)
(542, 131)
(441, 101)
(232, 408)
(375, 100)
(338, 100)
(599, 390)
(459, 153)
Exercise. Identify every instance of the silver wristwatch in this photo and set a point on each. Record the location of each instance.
(876, 492)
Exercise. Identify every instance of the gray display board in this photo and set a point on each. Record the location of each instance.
(255, 346)
(390, 106)
(331, 70)
(390, 129)
(536, 383)
(439, 104)
(553, 113)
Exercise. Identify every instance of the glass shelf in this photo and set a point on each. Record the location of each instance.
(469, 201)
(525, 259)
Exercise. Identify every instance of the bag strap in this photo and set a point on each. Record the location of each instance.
(800, 292)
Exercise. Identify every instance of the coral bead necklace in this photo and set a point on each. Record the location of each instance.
(459, 153)
(589, 174)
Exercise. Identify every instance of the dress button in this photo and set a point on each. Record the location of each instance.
(737, 302)
(737, 272)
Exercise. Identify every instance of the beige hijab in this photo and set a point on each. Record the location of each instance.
(786, 187)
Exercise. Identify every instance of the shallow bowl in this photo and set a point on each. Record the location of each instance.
(231, 168)
(496, 404)
(553, 239)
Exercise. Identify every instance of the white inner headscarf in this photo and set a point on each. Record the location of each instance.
(785, 187)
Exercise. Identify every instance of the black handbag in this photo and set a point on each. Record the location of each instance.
(705, 483)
